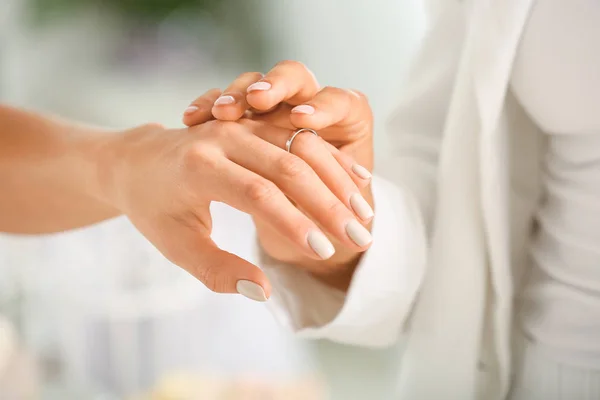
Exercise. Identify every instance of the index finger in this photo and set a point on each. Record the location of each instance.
(332, 107)
(289, 81)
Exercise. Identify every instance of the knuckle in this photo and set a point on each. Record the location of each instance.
(226, 130)
(291, 166)
(209, 276)
(336, 208)
(260, 191)
(201, 156)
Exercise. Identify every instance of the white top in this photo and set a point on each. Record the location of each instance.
(556, 77)
(452, 223)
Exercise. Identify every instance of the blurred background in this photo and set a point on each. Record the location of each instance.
(98, 313)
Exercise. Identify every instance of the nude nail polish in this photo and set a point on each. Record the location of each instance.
(361, 207)
(361, 172)
(259, 86)
(304, 109)
(251, 290)
(224, 100)
(358, 233)
(320, 244)
(190, 110)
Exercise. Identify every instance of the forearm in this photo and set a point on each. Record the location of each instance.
(51, 174)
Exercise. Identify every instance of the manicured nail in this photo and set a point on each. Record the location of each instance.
(224, 100)
(358, 233)
(361, 207)
(304, 109)
(361, 172)
(251, 290)
(259, 86)
(190, 110)
(320, 244)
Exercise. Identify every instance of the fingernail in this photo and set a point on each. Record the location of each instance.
(251, 290)
(361, 171)
(262, 86)
(190, 110)
(304, 109)
(320, 244)
(361, 207)
(223, 100)
(358, 233)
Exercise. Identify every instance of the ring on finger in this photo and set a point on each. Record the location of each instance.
(288, 144)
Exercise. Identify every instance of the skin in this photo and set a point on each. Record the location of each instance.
(58, 176)
(343, 119)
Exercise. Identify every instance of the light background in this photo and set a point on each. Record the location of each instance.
(103, 304)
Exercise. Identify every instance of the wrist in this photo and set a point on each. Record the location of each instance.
(100, 150)
(114, 158)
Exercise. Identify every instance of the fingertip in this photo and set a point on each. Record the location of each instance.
(303, 109)
(229, 107)
(266, 97)
(225, 100)
(260, 86)
(362, 172)
(190, 110)
(261, 101)
(359, 234)
(224, 272)
(194, 115)
(266, 285)
(253, 290)
(254, 285)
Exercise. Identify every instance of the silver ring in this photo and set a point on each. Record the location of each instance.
(288, 144)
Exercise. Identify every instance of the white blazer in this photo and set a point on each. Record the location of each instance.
(453, 217)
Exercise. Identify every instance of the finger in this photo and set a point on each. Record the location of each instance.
(222, 272)
(314, 152)
(200, 110)
(232, 104)
(288, 81)
(303, 185)
(359, 174)
(278, 117)
(255, 195)
(332, 106)
(281, 119)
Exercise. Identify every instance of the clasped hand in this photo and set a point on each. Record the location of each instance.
(312, 207)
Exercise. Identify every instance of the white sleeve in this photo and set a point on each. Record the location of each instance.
(386, 282)
(382, 289)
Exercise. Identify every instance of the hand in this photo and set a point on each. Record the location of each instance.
(289, 97)
(164, 181)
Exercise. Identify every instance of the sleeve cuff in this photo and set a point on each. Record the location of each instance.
(382, 290)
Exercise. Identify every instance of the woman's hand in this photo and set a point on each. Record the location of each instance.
(289, 97)
(164, 181)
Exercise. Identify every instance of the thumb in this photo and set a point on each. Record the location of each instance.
(224, 272)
